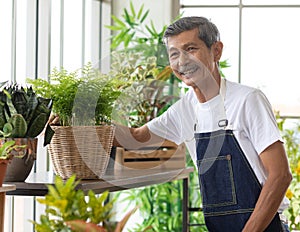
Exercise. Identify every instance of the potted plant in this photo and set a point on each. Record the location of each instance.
(68, 209)
(135, 34)
(81, 140)
(23, 116)
(6, 155)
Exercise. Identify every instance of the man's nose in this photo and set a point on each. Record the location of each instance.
(183, 58)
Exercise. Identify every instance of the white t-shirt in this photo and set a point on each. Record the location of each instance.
(249, 114)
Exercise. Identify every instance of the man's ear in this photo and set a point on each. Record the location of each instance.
(217, 50)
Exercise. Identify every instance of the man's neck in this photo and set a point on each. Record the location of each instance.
(208, 91)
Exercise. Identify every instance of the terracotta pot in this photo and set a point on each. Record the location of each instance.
(19, 168)
(3, 168)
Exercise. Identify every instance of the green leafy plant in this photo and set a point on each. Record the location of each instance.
(161, 209)
(133, 32)
(22, 112)
(145, 91)
(65, 203)
(81, 97)
(162, 206)
(68, 209)
(291, 142)
(83, 226)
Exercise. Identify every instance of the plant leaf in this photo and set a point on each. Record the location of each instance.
(140, 12)
(83, 226)
(114, 28)
(128, 18)
(118, 21)
(121, 224)
(144, 16)
(132, 9)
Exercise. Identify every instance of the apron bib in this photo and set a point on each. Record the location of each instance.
(229, 187)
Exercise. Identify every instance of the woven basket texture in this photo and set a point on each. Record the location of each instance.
(81, 150)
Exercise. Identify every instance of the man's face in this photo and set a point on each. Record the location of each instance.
(191, 60)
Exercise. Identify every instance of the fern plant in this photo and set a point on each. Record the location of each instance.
(81, 97)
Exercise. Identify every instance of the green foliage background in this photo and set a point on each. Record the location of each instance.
(65, 203)
(291, 135)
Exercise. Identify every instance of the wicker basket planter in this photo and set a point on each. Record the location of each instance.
(81, 150)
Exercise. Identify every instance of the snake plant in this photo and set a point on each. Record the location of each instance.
(22, 112)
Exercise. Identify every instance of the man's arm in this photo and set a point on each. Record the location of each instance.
(134, 138)
(279, 177)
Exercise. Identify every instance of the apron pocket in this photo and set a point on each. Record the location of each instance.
(217, 173)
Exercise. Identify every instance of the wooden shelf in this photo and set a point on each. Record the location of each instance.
(113, 180)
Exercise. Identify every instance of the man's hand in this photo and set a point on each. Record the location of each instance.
(53, 120)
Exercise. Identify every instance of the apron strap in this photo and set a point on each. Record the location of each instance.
(223, 123)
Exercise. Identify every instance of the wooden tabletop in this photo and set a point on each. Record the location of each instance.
(36, 183)
(6, 188)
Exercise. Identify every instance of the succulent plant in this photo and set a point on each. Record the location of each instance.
(22, 112)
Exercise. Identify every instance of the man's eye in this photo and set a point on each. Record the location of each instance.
(174, 55)
(190, 49)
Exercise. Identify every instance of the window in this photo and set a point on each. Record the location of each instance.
(37, 36)
(260, 43)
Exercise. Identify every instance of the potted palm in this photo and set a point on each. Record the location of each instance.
(23, 116)
(81, 139)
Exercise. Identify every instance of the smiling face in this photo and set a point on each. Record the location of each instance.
(192, 61)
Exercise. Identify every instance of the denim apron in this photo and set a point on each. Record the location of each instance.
(228, 185)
